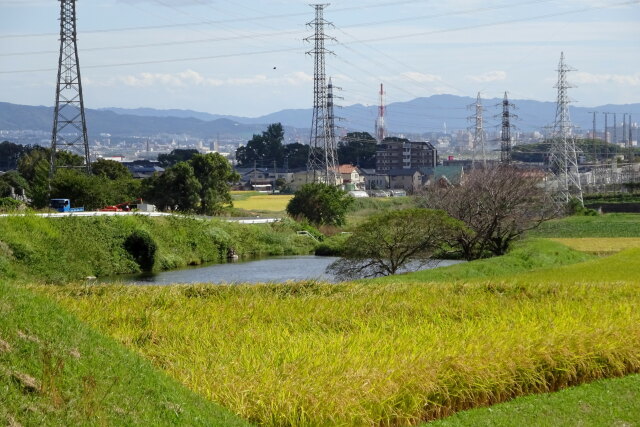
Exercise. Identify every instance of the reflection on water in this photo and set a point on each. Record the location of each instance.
(275, 270)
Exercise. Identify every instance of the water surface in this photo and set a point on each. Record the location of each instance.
(275, 270)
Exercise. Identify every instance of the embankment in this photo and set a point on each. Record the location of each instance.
(58, 250)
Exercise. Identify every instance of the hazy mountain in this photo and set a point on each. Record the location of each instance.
(22, 117)
(420, 115)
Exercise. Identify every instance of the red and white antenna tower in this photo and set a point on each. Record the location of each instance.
(381, 131)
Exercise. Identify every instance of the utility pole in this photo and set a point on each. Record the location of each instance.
(478, 135)
(69, 124)
(563, 160)
(505, 145)
(322, 161)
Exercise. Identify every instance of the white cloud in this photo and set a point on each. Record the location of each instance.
(491, 76)
(421, 77)
(192, 79)
(620, 79)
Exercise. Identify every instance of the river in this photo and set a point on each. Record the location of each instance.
(273, 269)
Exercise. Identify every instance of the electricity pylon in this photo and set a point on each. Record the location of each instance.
(69, 124)
(505, 137)
(563, 160)
(322, 162)
(478, 134)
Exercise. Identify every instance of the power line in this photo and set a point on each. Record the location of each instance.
(463, 28)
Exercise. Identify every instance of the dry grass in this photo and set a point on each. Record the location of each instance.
(600, 245)
(392, 353)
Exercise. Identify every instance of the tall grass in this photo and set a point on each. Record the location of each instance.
(57, 250)
(55, 370)
(387, 353)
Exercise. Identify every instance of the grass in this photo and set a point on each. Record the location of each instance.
(397, 352)
(530, 255)
(610, 225)
(55, 370)
(57, 250)
(586, 405)
(363, 208)
(600, 245)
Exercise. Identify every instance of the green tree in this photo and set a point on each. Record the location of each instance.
(10, 153)
(176, 156)
(13, 180)
(92, 192)
(110, 169)
(263, 149)
(320, 204)
(358, 148)
(34, 167)
(297, 155)
(387, 242)
(214, 173)
(176, 189)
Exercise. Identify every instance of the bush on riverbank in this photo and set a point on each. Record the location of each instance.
(57, 250)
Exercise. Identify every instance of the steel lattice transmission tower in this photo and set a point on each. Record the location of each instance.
(562, 156)
(69, 124)
(505, 138)
(323, 156)
(478, 131)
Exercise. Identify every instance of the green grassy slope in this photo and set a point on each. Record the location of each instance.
(529, 255)
(55, 370)
(611, 402)
(610, 225)
(58, 250)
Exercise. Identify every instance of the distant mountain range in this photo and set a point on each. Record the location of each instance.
(418, 116)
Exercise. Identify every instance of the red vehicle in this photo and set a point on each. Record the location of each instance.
(122, 207)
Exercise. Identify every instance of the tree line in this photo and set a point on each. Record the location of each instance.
(192, 182)
(268, 149)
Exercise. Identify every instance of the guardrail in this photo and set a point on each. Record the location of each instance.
(246, 220)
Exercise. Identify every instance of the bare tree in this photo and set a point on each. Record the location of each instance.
(385, 243)
(498, 204)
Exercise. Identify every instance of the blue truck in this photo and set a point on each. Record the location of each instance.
(64, 205)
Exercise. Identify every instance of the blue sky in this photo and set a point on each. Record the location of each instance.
(219, 56)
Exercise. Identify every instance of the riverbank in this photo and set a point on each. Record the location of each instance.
(59, 250)
(396, 351)
(380, 353)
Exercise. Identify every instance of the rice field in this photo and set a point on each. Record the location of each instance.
(262, 202)
(393, 353)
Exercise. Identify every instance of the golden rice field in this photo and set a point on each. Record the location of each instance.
(391, 353)
(600, 245)
(264, 202)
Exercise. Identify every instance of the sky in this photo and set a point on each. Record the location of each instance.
(247, 57)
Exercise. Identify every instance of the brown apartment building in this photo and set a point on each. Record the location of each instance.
(399, 153)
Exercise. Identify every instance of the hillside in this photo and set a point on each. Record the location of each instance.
(420, 115)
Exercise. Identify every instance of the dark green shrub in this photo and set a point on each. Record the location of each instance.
(9, 204)
(142, 248)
